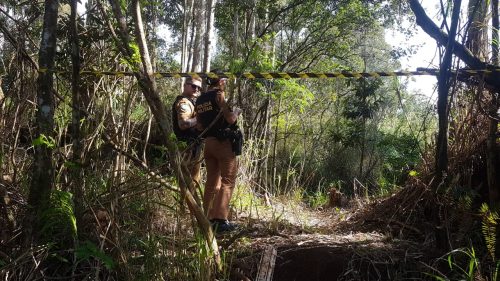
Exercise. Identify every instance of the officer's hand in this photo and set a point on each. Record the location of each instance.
(221, 98)
(237, 111)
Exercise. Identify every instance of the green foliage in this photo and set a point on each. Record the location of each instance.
(462, 263)
(400, 153)
(181, 145)
(72, 165)
(319, 198)
(139, 113)
(365, 101)
(62, 115)
(149, 256)
(203, 261)
(489, 222)
(43, 140)
(244, 198)
(135, 58)
(295, 96)
(413, 173)
(123, 5)
(58, 219)
(87, 250)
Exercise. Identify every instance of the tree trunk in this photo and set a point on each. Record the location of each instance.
(442, 103)
(42, 181)
(442, 139)
(208, 34)
(362, 149)
(185, 33)
(252, 19)
(235, 34)
(275, 182)
(197, 45)
(76, 172)
(190, 44)
(477, 37)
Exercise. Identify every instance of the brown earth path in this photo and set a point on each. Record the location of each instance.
(327, 244)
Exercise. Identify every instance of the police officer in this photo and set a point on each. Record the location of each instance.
(220, 160)
(184, 124)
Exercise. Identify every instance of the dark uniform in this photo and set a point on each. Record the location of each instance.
(220, 160)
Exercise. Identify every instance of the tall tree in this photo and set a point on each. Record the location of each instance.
(42, 181)
(444, 82)
(199, 13)
(477, 37)
(210, 13)
(77, 175)
(476, 61)
(186, 24)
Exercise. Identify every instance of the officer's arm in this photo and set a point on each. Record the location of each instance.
(229, 115)
(184, 112)
(187, 123)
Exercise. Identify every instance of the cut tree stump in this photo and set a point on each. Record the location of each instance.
(266, 265)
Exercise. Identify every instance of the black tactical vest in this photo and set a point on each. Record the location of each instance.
(187, 135)
(207, 110)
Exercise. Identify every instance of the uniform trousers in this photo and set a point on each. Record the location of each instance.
(222, 168)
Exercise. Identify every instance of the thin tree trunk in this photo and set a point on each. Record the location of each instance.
(275, 183)
(235, 34)
(442, 108)
(265, 135)
(185, 32)
(362, 150)
(252, 20)
(146, 140)
(76, 172)
(42, 181)
(191, 34)
(197, 45)
(208, 34)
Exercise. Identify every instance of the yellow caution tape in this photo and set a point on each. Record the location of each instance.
(281, 75)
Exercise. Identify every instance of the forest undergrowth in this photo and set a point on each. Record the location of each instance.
(341, 177)
(141, 232)
(135, 228)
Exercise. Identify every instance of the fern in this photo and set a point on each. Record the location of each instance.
(488, 227)
(58, 219)
(88, 250)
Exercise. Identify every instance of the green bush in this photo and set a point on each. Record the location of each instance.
(58, 220)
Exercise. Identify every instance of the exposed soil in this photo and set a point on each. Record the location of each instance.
(360, 256)
(384, 240)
